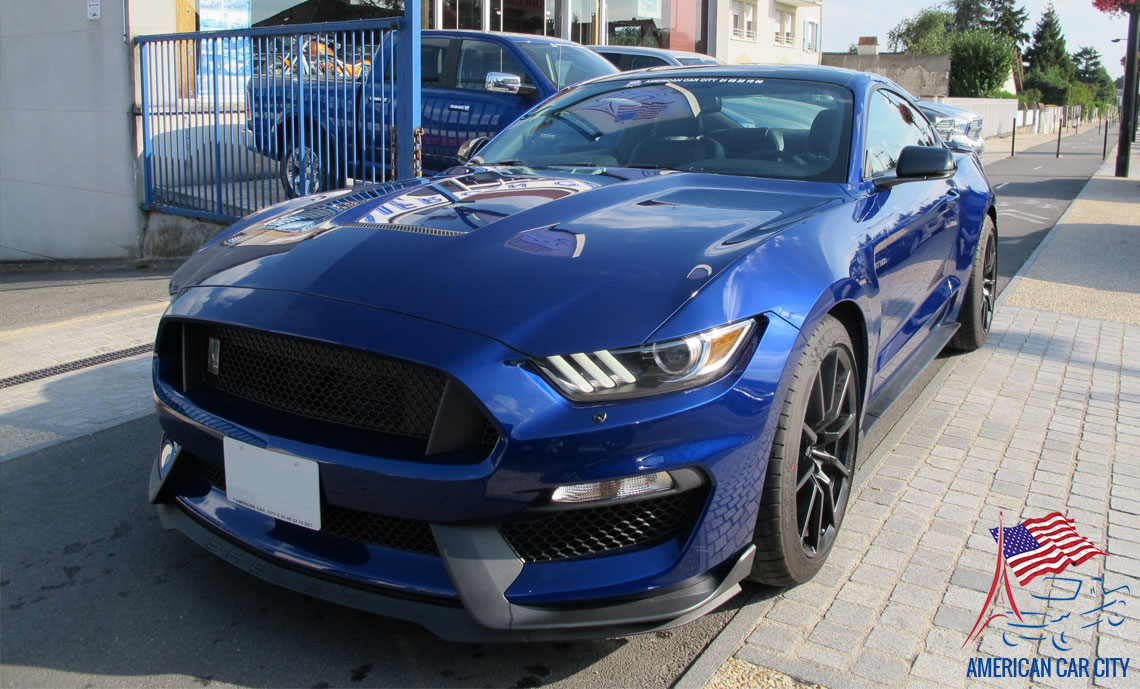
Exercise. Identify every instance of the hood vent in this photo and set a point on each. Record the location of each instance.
(433, 231)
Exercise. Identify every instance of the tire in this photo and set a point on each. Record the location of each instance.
(808, 482)
(977, 312)
(316, 177)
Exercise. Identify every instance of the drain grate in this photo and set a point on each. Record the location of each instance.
(74, 365)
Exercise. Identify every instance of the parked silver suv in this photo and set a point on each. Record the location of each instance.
(961, 129)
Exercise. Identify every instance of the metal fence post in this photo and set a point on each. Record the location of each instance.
(408, 76)
(148, 153)
(1013, 139)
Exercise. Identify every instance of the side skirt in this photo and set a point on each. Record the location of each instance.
(907, 373)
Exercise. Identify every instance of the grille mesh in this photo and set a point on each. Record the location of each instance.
(326, 382)
(592, 530)
(409, 535)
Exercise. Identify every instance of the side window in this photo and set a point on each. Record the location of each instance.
(644, 61)
(432, 52)
(923, 134)
(614, 58)
(891, 126)
(479, 58)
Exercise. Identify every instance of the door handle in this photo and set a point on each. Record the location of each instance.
(460, 108)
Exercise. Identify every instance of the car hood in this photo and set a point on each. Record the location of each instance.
(944, 110)
(546, 261)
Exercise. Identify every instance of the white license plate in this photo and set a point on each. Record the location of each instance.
(273, 483)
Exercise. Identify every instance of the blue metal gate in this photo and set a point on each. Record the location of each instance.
(233, 121)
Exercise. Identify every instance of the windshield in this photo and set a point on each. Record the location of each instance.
(727, 125)
(565, 64)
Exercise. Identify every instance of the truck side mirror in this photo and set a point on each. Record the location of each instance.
(501, 82)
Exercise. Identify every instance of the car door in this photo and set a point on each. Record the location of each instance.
(377, 111)
(437, 62)
(471, 110)
(912, 228)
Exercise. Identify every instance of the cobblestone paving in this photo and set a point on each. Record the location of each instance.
(1045, 418)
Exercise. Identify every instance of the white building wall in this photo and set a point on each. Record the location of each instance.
(764, 48)
(67, 149)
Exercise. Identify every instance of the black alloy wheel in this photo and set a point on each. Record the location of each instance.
(827, 451)
(980, 299)
(812, 462)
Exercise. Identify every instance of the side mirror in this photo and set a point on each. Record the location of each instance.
(471, 147)
(501, 82)
(919, 163)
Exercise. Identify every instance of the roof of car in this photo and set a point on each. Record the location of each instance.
(831, 75)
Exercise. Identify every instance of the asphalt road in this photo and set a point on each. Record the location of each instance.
(32, 298)
(94, 593)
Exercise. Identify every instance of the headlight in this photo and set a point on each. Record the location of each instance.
(948, 126)
(649, 370)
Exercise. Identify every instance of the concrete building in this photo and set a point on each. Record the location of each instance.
(70, 173)
(784, 33)
(67, 131)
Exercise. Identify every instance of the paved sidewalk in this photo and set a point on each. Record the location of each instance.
(1044, 418)
(43, 412)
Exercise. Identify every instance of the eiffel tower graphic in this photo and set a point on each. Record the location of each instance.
(1000, 583)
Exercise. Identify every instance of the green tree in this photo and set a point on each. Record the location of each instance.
(924, 33)
(979, 63)
(969, 14)
(1087, 63)
(979, 59)
(1048, 49)
(1090, 70)
(1007, 19)
(1052, 83)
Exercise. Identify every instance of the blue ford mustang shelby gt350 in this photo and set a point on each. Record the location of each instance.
(587, 383)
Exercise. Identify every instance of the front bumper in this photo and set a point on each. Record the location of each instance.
(483, 567)
(476, 586)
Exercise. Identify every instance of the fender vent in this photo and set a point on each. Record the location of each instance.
(433, 231)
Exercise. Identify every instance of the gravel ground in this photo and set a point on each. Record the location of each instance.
(737, 673)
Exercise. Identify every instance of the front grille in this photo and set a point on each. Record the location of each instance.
(326, 382)
(588, 531)
(409, 535)
(974, 131)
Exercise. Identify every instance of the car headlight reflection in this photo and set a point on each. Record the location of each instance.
(652, 369)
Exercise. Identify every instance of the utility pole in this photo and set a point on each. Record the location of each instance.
(1128, 107)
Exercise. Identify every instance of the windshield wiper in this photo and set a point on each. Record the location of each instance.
(569, 165)
(509, 161)
(650, 166)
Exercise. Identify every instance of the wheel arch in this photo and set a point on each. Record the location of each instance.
(851, 316)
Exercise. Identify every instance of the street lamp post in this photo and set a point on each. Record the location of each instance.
(1128, 107)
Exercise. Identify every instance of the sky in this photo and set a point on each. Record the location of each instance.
(844, 21)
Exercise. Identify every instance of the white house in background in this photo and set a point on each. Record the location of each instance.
(785, 33)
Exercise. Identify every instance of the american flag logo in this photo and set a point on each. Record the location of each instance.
(1044, 546)
(636, 110)
(1048, 545)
